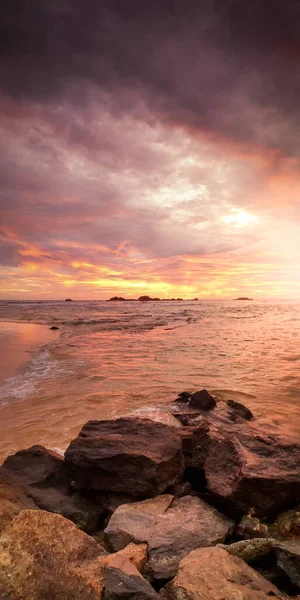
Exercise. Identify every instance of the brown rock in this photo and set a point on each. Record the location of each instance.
(251, 527)
(43, 554)
(213, 574)
(46, 557)
(202, 400)
(180, 489)
(137, 554)
(287, 525)
(42, 475)
(13, 499)
(121, 580)
(133, 456)
(170, 527)
(190, 408)
(254, 470)
(239, 410)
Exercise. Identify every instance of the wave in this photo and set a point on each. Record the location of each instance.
(40, 368)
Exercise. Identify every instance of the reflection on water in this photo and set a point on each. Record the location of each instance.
(112, 359)
(16, 342)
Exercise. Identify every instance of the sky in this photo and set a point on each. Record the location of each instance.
(149, 147)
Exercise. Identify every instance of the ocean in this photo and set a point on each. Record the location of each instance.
(114, 358)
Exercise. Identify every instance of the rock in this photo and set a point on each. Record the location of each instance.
(137, 554)
(250, 550)
(41, 474)
(133, 456)
(202, 400)
(134, 522)
(247, 464)
(42, 554)
(251, 527)
(46, 557)
(180, 489)
(288, 559)
(54, 328)
(240, 410)
(185, 396)
(111, 501)
(213, 574)
(201, 441)
(254, 470)
(170, 527)
(116, 299)
(122, 580)
(222, 414)
(287, 525)
(13, 499)
(68, 300)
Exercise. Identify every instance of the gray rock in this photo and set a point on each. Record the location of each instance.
(171, 527)
(288, 559)
(250, 550)
(214, 574)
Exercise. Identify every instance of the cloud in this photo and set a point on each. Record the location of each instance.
(147, 144)
(215, 65)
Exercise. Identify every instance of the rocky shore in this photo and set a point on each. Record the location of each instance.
(199, 503)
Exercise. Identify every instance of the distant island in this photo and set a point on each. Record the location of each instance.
(68, 300)
(117, 299)
(149, 299)
(244, 298)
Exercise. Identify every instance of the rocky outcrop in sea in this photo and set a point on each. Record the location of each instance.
(199, 502)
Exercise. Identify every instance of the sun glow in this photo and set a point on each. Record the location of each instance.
(239, 218)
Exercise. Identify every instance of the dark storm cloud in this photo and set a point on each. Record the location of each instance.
(226, 66)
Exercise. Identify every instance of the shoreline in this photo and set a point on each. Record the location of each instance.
(18, 342)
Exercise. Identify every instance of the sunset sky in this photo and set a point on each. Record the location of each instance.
(149, 147)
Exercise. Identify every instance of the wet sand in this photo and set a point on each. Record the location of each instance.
(17, 342)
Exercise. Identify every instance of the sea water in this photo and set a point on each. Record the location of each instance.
(114, 358)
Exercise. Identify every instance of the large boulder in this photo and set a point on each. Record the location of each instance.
(205, 421)
(247, 464)
(44, 556)
(171, 527)
(41, 475)
(213, 574)
(133, 456)
(254, 469)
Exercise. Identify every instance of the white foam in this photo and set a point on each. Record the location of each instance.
(39, 368)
